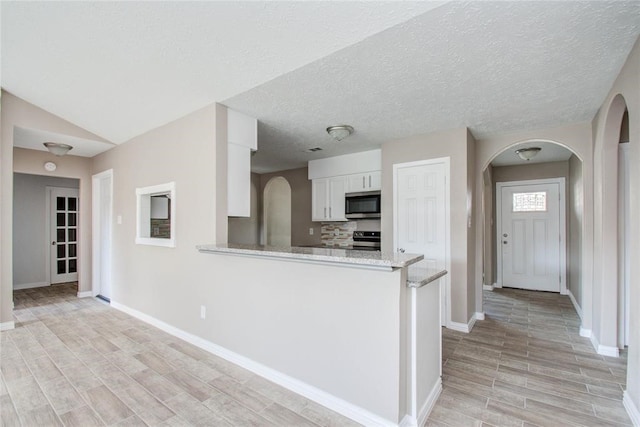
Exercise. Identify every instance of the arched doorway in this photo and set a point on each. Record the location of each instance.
(554, 162)
(277, 212)
(609, 287)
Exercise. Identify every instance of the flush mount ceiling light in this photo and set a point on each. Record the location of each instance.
(57, 149)
(528, 153)
(340, 132)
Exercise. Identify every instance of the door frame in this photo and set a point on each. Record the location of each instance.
(445, 311)
(96, 244)
(562, 207)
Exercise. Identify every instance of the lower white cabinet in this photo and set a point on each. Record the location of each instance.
(370, 181)
(328, 199)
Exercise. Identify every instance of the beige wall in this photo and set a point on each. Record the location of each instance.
(31, 247)
(606, 128)
(519, 173)
(300, 205)
(17, 112)
(575, 216)
(454, 144)
(166, 283)
(247, 230)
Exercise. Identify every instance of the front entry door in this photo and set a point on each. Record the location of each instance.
(529, 236)
(421, 217)
(64, 234)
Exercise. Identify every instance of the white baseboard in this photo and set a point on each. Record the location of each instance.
(323, 398)
(428, 405)
(575, 304)
(30, 285)
(479, 315)
(85, 294)
(5, 326)
(487, 287)
(425, 410)
(631, 408)
(603, 350)
(496, 286)
(464, 327)
(585, 332)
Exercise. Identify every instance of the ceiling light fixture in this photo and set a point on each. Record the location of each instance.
(528, 153)
(57, 149)
(340, 132)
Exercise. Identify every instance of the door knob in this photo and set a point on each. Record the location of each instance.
(53, 243)
(401, 250)
(504, 242)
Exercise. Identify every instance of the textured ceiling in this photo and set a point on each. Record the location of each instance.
(119, 69)
(493, 67)
(390, 69)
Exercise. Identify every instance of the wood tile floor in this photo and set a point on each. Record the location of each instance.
(527, 365)
(78, 362)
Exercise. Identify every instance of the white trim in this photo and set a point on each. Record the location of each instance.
(323, 398)
(430, 402)
(575, 303)
(466, 327)
(586, 333)
(631, 408)
(487, 287)
(31, 285)
(562, 207)
(447, 197)
(603, 350)
(425, 410)
(96, 262)
(5, 326)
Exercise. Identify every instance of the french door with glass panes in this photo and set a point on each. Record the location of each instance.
(64, 234)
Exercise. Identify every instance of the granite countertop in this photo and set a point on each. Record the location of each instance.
(420, 276)
(364, 259)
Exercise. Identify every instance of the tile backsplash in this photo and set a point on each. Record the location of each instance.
(338, 234)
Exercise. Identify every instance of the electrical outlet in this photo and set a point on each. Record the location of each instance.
(311, 232)
(203, 312)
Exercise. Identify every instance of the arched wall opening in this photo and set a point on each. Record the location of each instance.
(608, 302)
(277, 212)
(577, 139)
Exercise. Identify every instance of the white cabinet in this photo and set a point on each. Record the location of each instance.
(242, 135)
(328, 199)
(370, 181)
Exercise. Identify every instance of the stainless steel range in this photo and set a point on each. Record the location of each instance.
(366, 240)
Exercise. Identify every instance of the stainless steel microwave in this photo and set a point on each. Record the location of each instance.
(362, 205)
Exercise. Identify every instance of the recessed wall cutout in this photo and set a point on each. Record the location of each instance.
(156, 215)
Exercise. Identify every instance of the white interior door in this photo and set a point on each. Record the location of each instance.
(64, 209)
(421, 215)
(102, 232)
(529, 235)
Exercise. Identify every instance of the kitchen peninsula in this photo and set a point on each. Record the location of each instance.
(355, 331)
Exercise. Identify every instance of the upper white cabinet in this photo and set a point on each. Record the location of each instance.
(242, 136)
(328, 199)
(349, 164)
(371, 181)
(332, 178)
